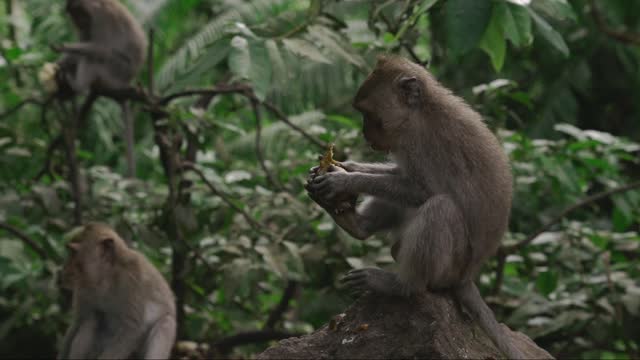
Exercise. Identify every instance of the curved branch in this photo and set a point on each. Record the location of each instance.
(584, 202)
(26, 239)
(276, 314)
(21, 104)
(253, 222)
(282, 117)
(270, 178)
(626, 37)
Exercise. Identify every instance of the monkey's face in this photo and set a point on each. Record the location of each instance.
(89, 261)
(374, 133)
(72, 268)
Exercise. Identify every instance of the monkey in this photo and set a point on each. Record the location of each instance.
(109, 54)
(122, 306)
(445, 197)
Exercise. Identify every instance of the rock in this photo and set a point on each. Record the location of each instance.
(427, 326)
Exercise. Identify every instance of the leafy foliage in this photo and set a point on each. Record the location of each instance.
(541, 72)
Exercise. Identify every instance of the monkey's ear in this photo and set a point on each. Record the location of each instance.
(411, 90)
(108, 248)
(73, 247)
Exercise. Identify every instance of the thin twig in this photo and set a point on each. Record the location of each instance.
(582, 203)
(69, 136)
(151, 87)
(282, 117)
(276, 314)
(220, 89)
(245, 90)
(46, 168)
(20, 105)
(26, 239)
(502, 259)
(256, 112)
(253, 222)
(626, 37)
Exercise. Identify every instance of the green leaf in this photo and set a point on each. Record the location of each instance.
(465, 23)
(239, 59)
(493, 43)
(277, 62)
(549, 33)
(304, 48)
(546, 282)
(516, 23)
(556, 9)
(332, 42)
(261, 69)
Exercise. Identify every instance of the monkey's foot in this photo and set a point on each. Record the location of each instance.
(372, 279)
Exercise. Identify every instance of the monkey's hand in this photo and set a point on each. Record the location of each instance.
(372, 279)
(337, 205)
(331, 185)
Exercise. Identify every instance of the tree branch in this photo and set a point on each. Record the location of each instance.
(626, 37)
(20, 105)
(225, 345)
(253, 222)
(270, 178)
(276, 314)
(26, 239)
(582, 203)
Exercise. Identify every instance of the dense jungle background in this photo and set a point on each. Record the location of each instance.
(250, 93)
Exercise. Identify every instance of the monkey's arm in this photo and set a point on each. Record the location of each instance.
(370, 168)
(372, 216)
(88, 49)
(393, 188)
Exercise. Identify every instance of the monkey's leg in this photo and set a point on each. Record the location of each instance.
(434, 250)
(80, 338)
(160, 339)
(128, 335)
(129, 138)
(432, 253)
(80, 81)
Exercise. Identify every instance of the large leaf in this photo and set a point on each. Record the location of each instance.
(239, 58)
(549, 33)
(515, 22)
(465, 23)
(304, 48)
(493, 42)
(556, 9)
(334, 44)
(249, 60)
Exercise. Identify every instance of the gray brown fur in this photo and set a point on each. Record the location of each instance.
(109, 55)
(122, 306)
(445, 198)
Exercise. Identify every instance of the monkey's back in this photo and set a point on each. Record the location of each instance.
(115, 27)
(154, 286)
(472, 169)
(484, 188)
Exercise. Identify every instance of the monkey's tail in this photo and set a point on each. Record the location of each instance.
(469, 295)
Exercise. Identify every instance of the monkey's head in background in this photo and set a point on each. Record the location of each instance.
(93, 253)
(77, 10)
(388, 99)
